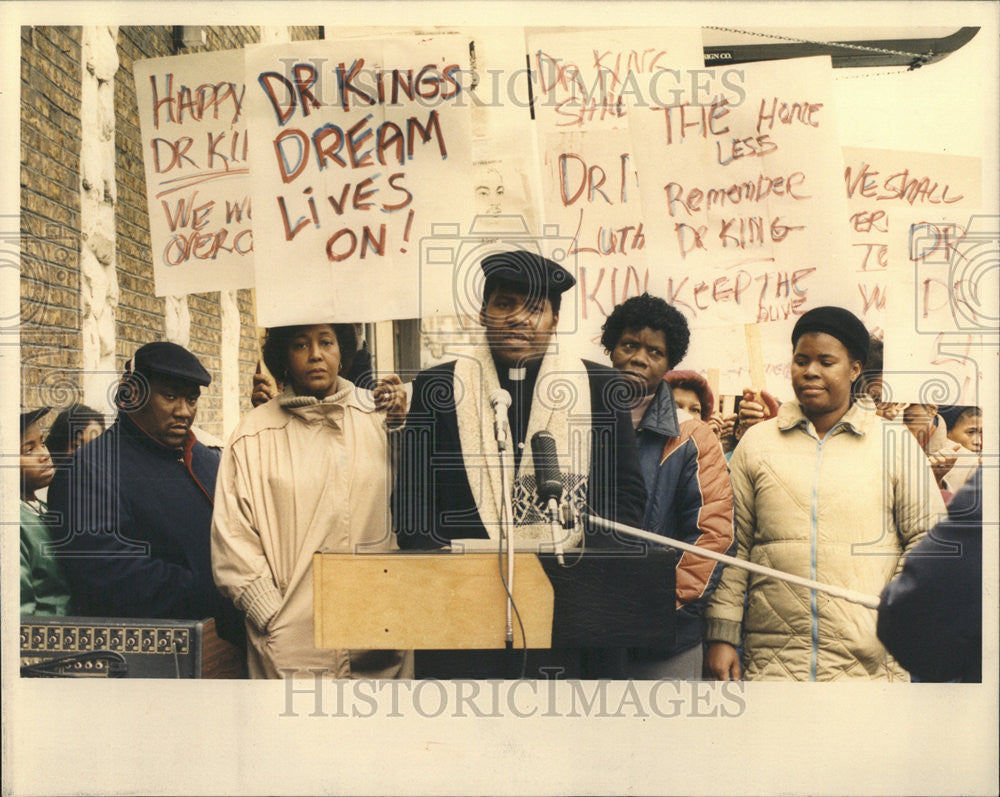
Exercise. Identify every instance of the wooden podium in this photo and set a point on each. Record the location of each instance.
(452, 601)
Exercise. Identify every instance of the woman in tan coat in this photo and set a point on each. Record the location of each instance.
(306, 471)
(828, 491)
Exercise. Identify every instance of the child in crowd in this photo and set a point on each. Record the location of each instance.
(965, 445)
(43, 585)
(75, 426)
(965, 427)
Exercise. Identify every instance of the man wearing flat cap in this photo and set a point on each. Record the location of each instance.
(448, 484)
(132, 512)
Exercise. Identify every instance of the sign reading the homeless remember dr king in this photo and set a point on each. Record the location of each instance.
(195, 147)
(357, 148)
(743, 199)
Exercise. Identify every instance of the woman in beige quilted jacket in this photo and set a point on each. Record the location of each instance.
(828, 491)
(306, 471)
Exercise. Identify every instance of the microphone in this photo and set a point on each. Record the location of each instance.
(548, 483)
(500, 401)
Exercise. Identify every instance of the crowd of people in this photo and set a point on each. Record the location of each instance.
(838, 486)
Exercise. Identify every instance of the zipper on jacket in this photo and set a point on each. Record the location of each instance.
(814, 544)
(813, 608)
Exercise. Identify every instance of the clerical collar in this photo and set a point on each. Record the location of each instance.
(520, 376)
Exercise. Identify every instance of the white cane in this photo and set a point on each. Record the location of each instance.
(851, 595)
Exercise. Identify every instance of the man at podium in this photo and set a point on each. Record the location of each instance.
(514, 384)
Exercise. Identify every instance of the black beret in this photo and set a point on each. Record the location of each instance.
(28, 418)
(531, 271)
(838, 322)
(169, 359)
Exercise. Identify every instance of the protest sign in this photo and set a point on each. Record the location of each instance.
(584, 82)
(587, 78)
(361, 147)
(742, 198)
(194, 149)
(941, 329)
(879, 181)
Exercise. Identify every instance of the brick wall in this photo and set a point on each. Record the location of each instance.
(50, 215)
(139, 318)
(51, 341)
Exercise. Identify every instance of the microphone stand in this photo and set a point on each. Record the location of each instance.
(507, 528)
(556, 526)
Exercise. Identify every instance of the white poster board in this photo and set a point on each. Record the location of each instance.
(879, 182)
(941, 334)
(743, 198)
(357, 149)
(586, 83)
(194, 150)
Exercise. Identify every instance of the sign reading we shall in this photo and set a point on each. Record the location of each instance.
(194, 149)
(878, 181)
(358, 147)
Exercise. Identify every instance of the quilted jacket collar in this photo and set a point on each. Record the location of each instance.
(859, 418)
(661, 416)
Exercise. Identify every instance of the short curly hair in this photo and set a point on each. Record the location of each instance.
(697, 384)
(648, 311)
(277, 340)
(69, 424)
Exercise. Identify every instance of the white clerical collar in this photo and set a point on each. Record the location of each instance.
(517, 374)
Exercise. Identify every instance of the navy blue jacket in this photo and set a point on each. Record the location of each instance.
(931, 616)
(131, 519)
(690, 499)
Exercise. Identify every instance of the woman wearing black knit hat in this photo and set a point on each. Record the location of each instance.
(830, 350)
(828, 491)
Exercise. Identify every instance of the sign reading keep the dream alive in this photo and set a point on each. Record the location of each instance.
(195, 148)
(358, 148)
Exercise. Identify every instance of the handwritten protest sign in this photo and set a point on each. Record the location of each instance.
(195, 147)
(879, 181)
(941, 328)
(586, 79)
(742, 197)
(584, 83)
(357, 149)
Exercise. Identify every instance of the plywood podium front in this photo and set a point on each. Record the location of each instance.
(427, 601)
